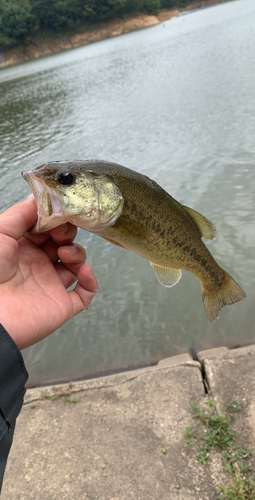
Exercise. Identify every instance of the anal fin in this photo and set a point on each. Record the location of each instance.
(167, 276)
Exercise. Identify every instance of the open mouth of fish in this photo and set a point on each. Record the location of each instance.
(49, 209)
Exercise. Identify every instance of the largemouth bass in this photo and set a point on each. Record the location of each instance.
(134, 212)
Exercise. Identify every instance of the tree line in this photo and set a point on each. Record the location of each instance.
(21, 20)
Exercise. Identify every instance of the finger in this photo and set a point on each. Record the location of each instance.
(37, 239)
(87, 279)
(18, 219)
(64, 234)
(51, 250)
(8, 258)
(85, 289)
(72, 254)
(72, 258)
(67, 277)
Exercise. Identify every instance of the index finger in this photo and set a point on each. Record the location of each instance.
(18, 219)
(61, 235)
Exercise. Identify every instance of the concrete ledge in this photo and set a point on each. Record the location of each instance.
(35, 394)
(211, 353)
(109, 445)
(225, 352)
(176, 360)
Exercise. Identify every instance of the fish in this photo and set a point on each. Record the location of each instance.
(132, 211)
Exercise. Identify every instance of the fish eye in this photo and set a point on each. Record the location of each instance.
(65, 178)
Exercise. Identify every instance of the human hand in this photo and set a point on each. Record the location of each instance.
(34, 301)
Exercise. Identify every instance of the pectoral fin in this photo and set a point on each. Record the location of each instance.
(167, 276)
(113, 242)
(205, 227)
(130, 227)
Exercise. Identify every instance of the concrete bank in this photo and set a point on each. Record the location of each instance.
(108, 446)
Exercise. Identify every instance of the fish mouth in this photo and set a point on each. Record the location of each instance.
(49, 209)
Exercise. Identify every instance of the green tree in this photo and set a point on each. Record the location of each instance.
(96, 10)
(167, 4)
(132, 6)
(15, 21)
(20, 19)
(99, 10)
(151, 6)
(55, 15)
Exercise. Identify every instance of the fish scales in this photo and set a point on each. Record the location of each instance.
(134, 212)
(160, 242)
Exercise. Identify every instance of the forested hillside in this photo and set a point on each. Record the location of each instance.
(22, 20)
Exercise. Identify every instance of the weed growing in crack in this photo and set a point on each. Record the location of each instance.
(220, 438)
(61, 394)
(240, 490)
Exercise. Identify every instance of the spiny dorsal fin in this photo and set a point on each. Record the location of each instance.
(167, 276)
(207, 229)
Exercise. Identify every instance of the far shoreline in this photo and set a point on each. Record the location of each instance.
(46, 46)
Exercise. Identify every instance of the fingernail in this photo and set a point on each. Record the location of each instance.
(31, 197)
(63, 228)
(73, 248)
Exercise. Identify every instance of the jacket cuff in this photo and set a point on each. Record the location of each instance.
(13, 374)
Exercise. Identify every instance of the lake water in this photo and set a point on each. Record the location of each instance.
(175, 102)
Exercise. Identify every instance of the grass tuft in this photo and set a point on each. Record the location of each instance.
(61, 394)
(218, 437)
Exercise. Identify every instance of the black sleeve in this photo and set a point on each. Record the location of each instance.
(13, 376)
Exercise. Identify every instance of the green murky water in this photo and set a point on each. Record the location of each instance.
(177, 103)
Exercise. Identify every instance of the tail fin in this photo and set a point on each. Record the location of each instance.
(228, 294)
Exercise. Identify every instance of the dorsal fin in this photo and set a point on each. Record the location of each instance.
(206, 228)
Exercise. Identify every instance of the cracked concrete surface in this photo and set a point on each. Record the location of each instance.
(109, 445)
